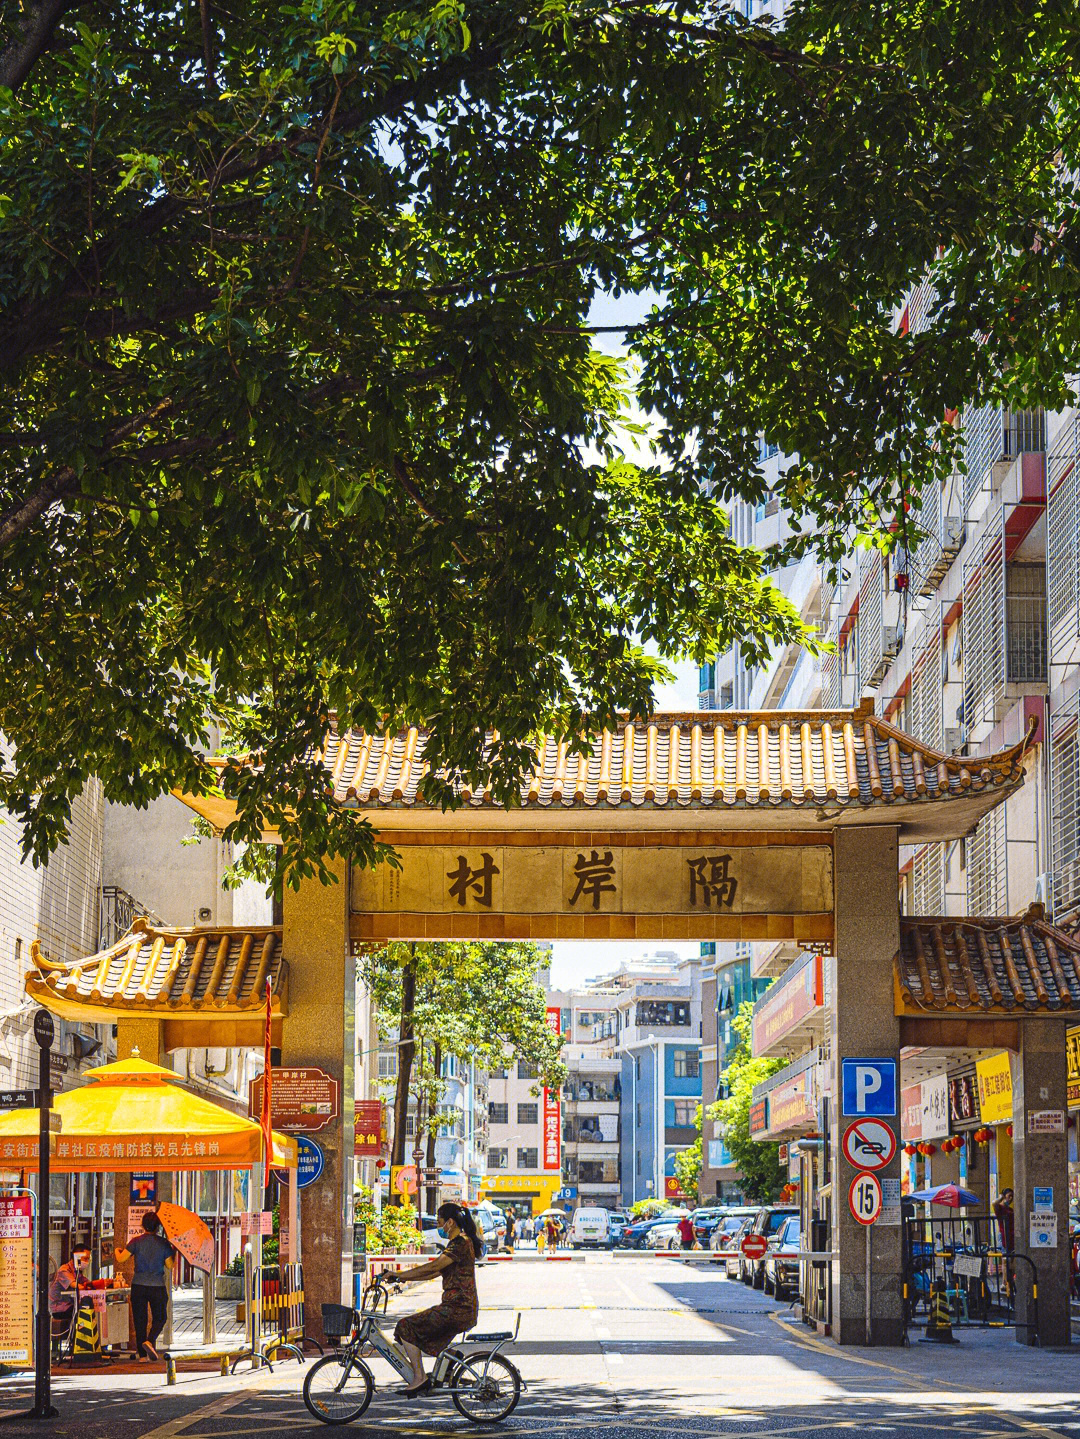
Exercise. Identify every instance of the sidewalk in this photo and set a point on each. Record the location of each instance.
(187, 1316)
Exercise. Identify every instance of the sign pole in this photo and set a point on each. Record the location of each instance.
(869, 1326)
(43, 1408)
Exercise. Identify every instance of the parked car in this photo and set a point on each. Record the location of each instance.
(495, 1224)
(705, 1221)
(731, 1239)
(634, 1235)
(664, 1236)
(617, 1224)
(781, 1263)
(722, 1239)
(431, 1242)
(589, 1229)
(768, 1219)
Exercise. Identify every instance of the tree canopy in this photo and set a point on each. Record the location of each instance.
(757, 1161)
(302, 409)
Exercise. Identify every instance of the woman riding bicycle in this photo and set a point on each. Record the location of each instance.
(430, 1331)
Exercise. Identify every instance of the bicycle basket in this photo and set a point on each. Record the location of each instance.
(337, 1321)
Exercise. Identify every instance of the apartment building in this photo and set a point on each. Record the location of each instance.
(658, 1036)
(524, 1173)
(591, 1095)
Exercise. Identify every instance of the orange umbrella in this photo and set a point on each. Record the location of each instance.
(188, 1235)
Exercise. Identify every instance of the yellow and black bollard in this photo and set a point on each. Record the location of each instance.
(87, 1334)
(939, 1326)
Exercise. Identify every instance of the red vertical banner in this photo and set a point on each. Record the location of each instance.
(264, 1114)
(552, 1111)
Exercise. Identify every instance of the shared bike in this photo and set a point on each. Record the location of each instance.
(482, 1383)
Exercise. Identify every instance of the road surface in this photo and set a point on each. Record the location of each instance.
(632, 1346)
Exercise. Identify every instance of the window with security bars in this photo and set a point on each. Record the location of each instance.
(992, 434)
(1063, 540)
(986, 869)
(925, 710)
(928, 880)
(1065, 811)
(983, 628)
(871, 656)
(919, 304)
(1025, 623)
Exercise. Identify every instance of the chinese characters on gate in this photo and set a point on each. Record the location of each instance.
(709, 880)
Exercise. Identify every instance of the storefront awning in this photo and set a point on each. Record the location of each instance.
(133, 1116)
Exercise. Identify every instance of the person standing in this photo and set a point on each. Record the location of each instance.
(1003, 1210)
(686, 1232)
(152, 1254)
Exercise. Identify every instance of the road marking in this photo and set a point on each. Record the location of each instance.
(603, 1332)
(248, 1387)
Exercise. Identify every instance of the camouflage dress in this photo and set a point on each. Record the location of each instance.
(432, 1329)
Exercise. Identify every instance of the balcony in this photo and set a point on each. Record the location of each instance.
(118, 910)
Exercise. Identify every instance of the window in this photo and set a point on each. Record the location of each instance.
(686, 1063)
(410, 1125)
(663, 1012)
(638, 1116)
(497, 1158)
(526, 1159)
(387, 1066)
(498, 1074)
(682, 1112)
(638, 1164)
(637, 1066)
(498, 1113)
(525, 1070)
(528, 1113)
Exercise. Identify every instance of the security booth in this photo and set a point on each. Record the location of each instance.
(686, 827)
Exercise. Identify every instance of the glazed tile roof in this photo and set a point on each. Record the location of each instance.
(212, 973)
(798, 768)
(999, 966)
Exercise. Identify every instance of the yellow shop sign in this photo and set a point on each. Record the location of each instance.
(995, 1089)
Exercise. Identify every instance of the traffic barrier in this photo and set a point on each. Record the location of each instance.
(87, 1332)
(939, 1324)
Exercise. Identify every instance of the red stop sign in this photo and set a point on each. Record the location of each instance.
(754, 1246)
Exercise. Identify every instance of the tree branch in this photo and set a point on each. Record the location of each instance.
(31, 38)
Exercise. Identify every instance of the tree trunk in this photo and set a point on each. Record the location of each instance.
(432, 1190)
(406, 1053)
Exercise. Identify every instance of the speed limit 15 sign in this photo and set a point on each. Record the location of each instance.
(864, 1198)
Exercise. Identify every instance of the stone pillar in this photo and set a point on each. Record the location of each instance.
(863, 1025)
(1041, 1160)
(319, 1031)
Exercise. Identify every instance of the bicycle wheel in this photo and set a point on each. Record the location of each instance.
(338, 1388)
(485, 1398)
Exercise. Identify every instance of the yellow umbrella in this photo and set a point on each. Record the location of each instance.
(133, 1115)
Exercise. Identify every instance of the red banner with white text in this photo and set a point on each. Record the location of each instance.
(552, 1114)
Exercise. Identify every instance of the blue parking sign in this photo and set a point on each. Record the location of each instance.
(870, 1086)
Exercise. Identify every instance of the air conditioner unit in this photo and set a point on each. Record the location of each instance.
(1044, 888)
(954, 740)
(891, 639)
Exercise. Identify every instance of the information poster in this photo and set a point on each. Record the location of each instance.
(16, 1280)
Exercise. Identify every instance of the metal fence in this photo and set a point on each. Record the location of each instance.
(975, 1263)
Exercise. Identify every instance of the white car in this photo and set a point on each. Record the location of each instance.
(590, 1228)
(663, 1236)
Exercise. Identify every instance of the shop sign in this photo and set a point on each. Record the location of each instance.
(759, 1116)
(995, 1089)
(791, 1106)
(911, 1112)
(935, 1107)
(301, 1100)
(1046, 1121)
(369, 1129)
(1042, 1231)
(552, 1132)
(786, 1005)
(16, 1280)
(963, 1101)
(1072, 1060)
(673, 1189)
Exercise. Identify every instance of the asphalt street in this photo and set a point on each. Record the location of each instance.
(640, 1347)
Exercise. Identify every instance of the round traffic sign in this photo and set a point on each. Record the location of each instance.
(864, 1198)
(404, 1179)
(44, 1029)
(754, 1246)
(869, 1143)
(310, 1161)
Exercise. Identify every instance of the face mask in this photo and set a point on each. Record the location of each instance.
(442, 1232)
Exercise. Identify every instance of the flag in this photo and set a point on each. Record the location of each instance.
(264, 1116)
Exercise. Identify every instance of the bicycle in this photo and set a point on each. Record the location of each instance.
(483, 1384)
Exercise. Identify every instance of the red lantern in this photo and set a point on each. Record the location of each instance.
(1009, 1130)
(910, 1149)
(930, 1149)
